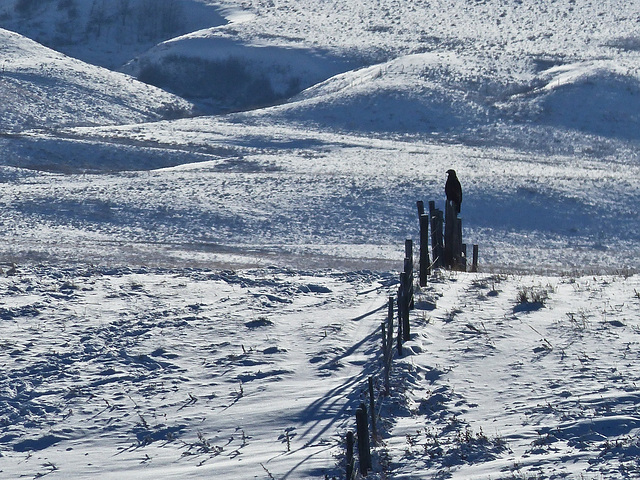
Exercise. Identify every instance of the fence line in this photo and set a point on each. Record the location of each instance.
(448, 251)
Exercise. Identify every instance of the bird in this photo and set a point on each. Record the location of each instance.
(453, 189)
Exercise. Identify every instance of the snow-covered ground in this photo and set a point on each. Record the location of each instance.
(187, 295)
(152, 373)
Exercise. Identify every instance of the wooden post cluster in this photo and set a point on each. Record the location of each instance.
(447, 249)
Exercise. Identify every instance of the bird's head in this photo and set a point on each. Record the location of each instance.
(451, 172)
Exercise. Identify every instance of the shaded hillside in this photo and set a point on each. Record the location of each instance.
(105, 33)
(41, 88)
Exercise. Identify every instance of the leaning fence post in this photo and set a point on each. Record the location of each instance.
(350, 459)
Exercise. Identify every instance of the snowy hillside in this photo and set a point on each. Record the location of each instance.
(186, 295)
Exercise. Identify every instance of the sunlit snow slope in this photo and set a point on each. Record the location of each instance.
(345, 115)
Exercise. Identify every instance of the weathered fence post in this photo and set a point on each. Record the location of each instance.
(449, 229)
(399, 327)
(463, 259)
(424, 250)
(432, 225)
(408, 269)
(437, 243)
(452, 238)
(408, 251)
(374, 433)
(389, 347)
(474, 263)
(350, 460)
(404, 303)
(364, 451)
(390, 323)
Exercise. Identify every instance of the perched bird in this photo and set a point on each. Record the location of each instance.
(453, 189)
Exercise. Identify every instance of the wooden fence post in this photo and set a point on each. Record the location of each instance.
(408, 271)
(424, 250)
(390, 322)
(404, 299)
(474, 263)
(452, 238)
(449, 229)
(374, 433)
(438, 253)
(364, 451)
(350, 460)
(432, 225)
(399, 325)
(408, 251)
(463, 257)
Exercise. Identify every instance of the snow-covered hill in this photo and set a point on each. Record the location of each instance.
(105, 33)
(43, 89)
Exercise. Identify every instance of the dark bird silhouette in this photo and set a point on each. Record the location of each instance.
(453, 189)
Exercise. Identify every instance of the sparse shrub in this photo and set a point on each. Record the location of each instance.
(531, 298)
